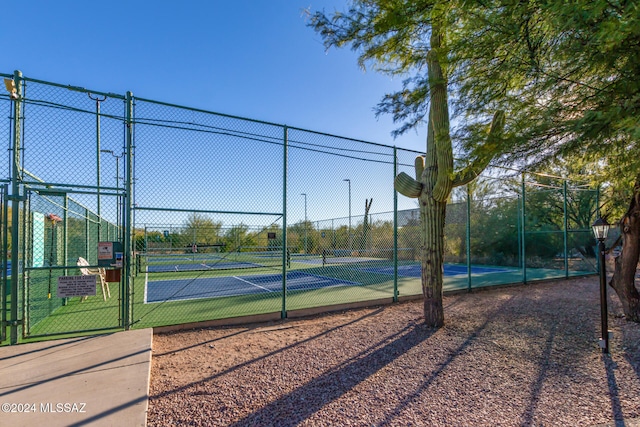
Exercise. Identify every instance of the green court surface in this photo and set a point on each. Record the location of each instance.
(370, 282)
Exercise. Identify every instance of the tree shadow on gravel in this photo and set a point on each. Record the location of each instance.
(310, 398)
(633, 357)
(265, 356)
(443, 366)
(536, 389)
(631, 344)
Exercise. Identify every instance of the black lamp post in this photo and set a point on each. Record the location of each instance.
(600, 230)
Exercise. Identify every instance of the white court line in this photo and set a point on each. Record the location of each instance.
(252, 284)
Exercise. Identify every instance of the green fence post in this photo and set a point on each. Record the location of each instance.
(86, 233)
(5, 245)
(395, 228)
(65, 232)
(126, 280)
(283, 313)
(598, 266)
(565, 234)
(524, 239)
(468, 238)
(99, 212)
(25, 239)
(519, 229)
(15, 208)
(65, 237)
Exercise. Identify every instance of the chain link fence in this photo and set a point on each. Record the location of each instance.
(217, 217)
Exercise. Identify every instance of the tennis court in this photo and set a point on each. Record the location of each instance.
(414, 270)
(217, 287)
(213, 261)
(319, 260)
(242, 260)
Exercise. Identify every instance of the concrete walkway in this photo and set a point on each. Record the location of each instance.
(98, 381)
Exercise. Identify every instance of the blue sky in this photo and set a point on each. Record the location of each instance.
(254, 59)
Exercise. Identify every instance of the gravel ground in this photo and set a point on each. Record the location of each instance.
(516, 356)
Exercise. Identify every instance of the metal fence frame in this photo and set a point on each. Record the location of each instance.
(292, 142)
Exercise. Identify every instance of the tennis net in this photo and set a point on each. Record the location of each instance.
(165, 262)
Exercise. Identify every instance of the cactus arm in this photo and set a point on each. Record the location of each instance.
(419, 165)
(407, 186)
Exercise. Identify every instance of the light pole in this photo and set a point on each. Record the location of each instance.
(98, 100)
(305, 221)
(600, 230)
(117, 183)
(349, 181)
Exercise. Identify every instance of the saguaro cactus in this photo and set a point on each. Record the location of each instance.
(365, 224)
(435, 178)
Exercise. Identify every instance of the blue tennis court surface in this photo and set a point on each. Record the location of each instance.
(204, 262)
(449, 270)
(160, 268)
(215, 287)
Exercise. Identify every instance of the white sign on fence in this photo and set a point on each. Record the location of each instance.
(105, 250)
(76, 286)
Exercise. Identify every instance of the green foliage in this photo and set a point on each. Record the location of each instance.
(409, 236)
(238, 238)
(341, 237)
(496, 221)
(200, 230)
(565, 72)
(395, 37)
(139, 241)
(296, 235)
(77, 239)
(262, 239)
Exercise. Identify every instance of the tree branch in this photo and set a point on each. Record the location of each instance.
(490, 149)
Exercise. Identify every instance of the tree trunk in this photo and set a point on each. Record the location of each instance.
(623, 280)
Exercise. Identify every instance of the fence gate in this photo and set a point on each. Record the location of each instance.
(71, 282)
(68, 199)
